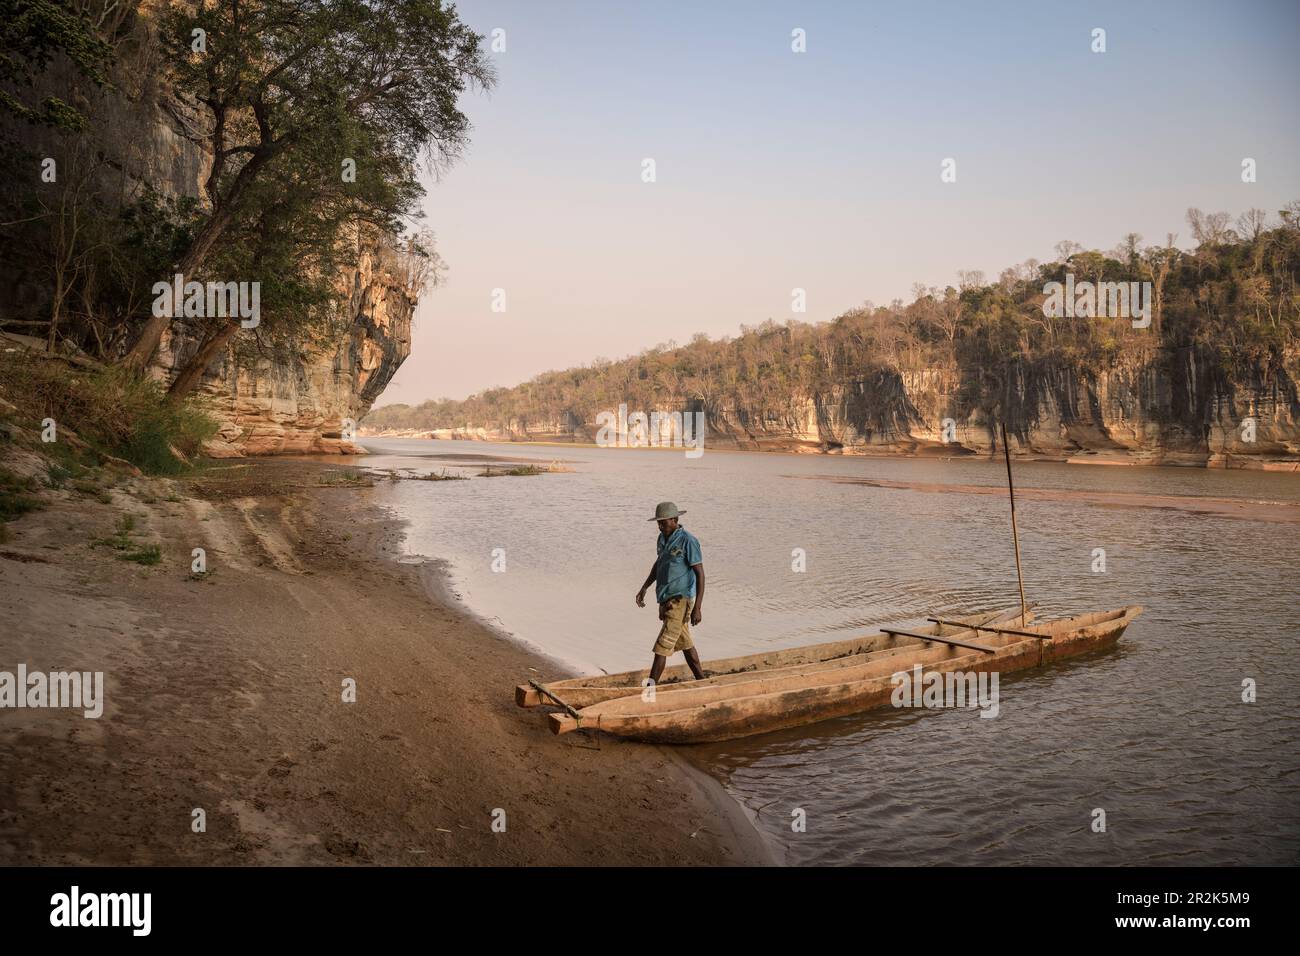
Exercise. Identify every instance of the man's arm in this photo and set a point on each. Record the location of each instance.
(697, 613)
(650, 579)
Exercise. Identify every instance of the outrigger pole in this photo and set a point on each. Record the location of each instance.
(1015, 537)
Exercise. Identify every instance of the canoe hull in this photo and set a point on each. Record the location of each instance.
(590, 690)
(799, 706)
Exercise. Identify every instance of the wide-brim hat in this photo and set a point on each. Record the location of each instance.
(665, 510)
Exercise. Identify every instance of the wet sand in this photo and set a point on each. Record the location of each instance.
(224, 692)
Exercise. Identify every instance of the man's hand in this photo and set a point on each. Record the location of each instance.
(696, 616)
(640, 598)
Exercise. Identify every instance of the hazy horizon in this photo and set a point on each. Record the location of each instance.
(821, 170)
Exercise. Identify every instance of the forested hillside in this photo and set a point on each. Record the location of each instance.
(1221, 346)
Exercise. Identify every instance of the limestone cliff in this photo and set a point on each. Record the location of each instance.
(304, 403)
(142, 159)
(1141, 413)
(1171, 411)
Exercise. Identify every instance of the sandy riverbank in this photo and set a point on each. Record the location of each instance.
(223, 692)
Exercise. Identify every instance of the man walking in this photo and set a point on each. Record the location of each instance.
(678, 577)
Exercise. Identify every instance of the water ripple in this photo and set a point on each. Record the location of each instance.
(1154, 733)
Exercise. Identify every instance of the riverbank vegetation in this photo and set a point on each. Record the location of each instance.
(82, 415)
(267, 146)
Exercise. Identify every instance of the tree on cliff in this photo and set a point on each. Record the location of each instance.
(298, 231)
(276, 77)
(1156, 263)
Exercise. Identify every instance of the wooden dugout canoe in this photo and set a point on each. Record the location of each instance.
(694, 713)
(585, 691)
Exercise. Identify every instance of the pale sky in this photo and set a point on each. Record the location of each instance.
(821, 170)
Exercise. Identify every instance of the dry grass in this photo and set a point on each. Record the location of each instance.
(103, 409)
(555, 467)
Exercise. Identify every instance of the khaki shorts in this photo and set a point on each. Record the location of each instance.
(675, 635)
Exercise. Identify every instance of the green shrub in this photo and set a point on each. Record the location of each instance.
(14, 500)
(517, 470)
(349, 478)
(89, 487)
(58, 474)
(126, 547)
(145, 554)
(443, 475)
(110, 409)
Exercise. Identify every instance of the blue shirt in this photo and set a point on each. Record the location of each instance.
(673, 574)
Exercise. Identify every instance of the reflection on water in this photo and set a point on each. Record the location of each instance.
(1154, 733)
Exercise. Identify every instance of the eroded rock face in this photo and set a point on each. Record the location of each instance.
(308, 403)
(1142, 414)
(300, 403)
(1172, 411)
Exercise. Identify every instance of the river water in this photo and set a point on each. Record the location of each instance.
(1154, 733)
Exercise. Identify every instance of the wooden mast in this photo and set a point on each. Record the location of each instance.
(1015, 537)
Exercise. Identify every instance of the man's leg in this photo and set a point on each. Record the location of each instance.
(685, 643)
(657, 668)
(674, 616)
(693, 659)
